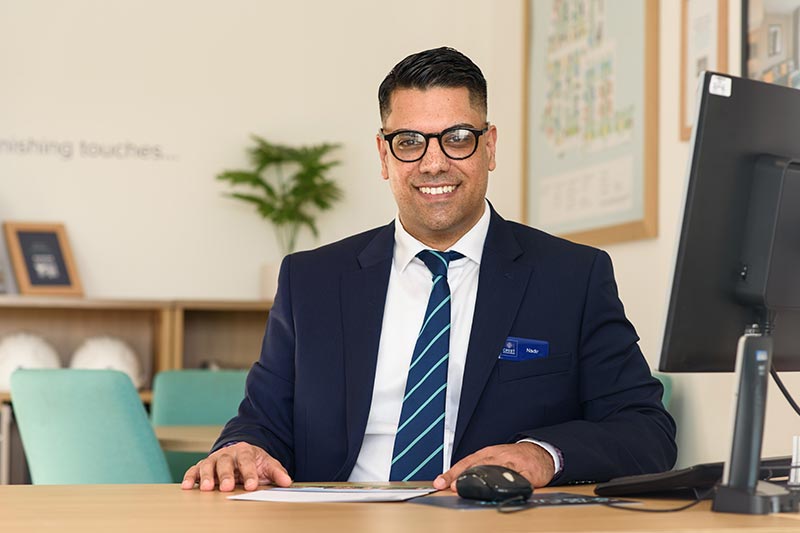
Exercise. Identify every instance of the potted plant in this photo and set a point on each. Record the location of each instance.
(287, 184)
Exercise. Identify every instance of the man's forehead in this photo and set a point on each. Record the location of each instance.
(435, 106)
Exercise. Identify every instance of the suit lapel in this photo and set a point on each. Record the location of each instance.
(501, 285)
(363, 293)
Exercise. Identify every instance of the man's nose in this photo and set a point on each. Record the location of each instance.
(434, 161)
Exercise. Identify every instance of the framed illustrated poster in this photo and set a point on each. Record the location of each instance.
(42, 259)
(591, 111)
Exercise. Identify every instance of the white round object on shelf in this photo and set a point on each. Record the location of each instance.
(24, 350)
(108, 353)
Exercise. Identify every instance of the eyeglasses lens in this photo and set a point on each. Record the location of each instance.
(458, 144)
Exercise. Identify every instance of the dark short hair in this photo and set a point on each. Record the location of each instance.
(438, 67)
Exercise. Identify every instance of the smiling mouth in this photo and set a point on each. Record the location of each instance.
(444, 189)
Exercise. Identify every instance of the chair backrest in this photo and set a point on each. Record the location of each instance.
(666, 382)
(196, 397)
(85, 426)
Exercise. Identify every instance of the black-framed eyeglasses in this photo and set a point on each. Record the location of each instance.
(457, 143)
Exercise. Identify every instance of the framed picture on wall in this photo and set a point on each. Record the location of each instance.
(704, 46)
(771, 41)
(7, 284)
(590, 134)
(42, 259)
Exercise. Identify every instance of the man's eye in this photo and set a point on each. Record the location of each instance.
(407, 142)
(458, 138)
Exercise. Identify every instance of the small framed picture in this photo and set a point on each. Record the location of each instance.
(42, 259)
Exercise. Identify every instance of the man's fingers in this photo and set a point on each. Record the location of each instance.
(448, 479)
(248, 472)
(207, 468)
(257, 467)
(226, 469)
(277, 474)
(190, 478)
(467, 462)
(241, 463)
(442, 481)
(529, 459)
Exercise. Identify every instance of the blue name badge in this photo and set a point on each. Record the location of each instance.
(519, 349)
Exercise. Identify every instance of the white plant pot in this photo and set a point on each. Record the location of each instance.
(269, 280)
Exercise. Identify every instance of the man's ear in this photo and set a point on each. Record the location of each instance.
(383, 153)
(491, 145)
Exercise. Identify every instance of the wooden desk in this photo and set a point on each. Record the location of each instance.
(187, 438)
(155, 508)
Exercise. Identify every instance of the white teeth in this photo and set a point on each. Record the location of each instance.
(438, 190)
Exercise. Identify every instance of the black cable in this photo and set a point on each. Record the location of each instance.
(513, 504)
(626, 507)
(784, 390)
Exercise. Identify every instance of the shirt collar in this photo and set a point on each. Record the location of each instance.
(406, 247)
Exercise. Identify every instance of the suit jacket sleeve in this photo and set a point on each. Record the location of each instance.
(265, 417)
(624, 428)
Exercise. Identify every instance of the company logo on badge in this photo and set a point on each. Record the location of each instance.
(510, 348)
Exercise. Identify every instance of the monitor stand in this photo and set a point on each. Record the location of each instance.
(740, 491)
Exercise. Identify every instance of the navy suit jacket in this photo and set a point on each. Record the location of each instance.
(308, 397)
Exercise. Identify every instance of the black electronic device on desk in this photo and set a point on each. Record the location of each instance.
(492, 483)
(685, 483)
(736, 263)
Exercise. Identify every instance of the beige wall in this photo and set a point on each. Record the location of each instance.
(195, 78)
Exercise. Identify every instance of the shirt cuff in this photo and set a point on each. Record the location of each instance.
(555, 453)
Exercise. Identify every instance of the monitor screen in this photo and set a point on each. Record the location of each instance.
(739, 121)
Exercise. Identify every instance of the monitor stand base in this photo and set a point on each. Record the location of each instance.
(767, 498)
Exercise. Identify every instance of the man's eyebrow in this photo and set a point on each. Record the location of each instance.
(459, 125)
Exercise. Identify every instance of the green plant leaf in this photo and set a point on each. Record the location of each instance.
(288, 183)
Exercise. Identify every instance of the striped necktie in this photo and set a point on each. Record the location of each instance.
(419, 443)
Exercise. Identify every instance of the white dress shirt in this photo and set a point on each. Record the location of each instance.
(406, 299)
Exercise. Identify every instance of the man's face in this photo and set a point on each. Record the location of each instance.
(439, 199)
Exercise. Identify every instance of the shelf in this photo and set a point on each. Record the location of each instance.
(164, 334)
(145, 395)
(67, 302)
(66, 323)
(226, 333)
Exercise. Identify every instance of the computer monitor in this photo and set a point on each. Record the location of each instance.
(735, 299)
(712, 300)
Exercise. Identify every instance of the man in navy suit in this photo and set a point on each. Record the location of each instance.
(544, 374)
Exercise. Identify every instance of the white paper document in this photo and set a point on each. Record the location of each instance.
(332, 494)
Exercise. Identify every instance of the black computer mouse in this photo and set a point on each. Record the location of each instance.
(492, 483)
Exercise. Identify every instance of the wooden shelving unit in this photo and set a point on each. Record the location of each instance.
(165, 334)
(66, 322)
(228, 333)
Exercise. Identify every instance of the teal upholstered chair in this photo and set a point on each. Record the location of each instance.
(194, 398)
(666, 381)
(85, 426)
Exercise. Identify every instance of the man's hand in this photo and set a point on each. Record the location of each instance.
(529, 459)
(240, 463)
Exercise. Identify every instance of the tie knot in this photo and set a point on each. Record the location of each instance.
(437, 262)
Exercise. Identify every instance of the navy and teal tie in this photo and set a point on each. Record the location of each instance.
(419, 442)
